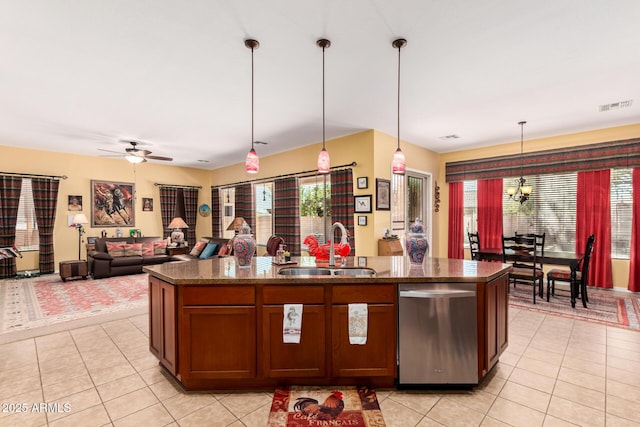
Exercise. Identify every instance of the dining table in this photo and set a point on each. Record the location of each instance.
(570, 259)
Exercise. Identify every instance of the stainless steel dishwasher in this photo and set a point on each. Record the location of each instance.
(437, 333)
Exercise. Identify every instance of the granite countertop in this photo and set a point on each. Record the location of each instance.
(389, 269)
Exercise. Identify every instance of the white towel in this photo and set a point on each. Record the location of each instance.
(292, 323)
(358, 324)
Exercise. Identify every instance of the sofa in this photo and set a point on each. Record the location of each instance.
(117, 256)
(207, 247)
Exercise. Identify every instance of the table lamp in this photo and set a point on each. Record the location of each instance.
(236, 224)
(78, 220)
(177, 235)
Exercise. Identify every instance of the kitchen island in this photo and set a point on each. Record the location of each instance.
(214, 325)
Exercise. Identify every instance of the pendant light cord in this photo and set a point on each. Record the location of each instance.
(323, 132)
(521, 147)
(399, 47)
(252, 139)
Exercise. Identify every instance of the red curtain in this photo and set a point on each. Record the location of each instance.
(634, 258)
(456, 220)
(490, 213)
(593, 216)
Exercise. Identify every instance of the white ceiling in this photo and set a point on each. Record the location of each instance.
(78, 75)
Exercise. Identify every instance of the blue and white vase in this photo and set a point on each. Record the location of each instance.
(416, 243)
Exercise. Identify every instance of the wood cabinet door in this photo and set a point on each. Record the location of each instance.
(218, 342)
(496, 319)
(376, 358)
(303, 359)
(162, 323)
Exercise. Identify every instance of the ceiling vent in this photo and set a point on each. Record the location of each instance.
(452, 136)
(615, 105)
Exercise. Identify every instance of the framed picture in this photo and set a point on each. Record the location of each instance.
(362, 204)
(362, 261)
(147, 204)
(363, 182)
(362, 220)
(383, 194)
(75, 203)
(112, 204)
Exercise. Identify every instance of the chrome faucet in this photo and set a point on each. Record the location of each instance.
(332, 245)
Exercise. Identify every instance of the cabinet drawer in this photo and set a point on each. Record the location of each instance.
(345, 294)
(293, 294)
(218, 295)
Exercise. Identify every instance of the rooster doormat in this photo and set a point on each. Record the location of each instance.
(322, 406)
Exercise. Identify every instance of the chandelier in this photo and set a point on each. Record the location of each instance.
(521, 192)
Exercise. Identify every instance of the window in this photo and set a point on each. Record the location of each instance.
(313, 193)
(552, 210)
(264, 207)
(621, 209)
(27, 235)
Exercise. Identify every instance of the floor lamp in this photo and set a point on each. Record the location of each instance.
(78, 220)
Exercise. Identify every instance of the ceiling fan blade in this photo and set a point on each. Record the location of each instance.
(168, 159)
(111, 151)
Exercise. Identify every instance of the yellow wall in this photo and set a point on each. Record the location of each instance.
(80, 171)
(371, 149)
(620, 267)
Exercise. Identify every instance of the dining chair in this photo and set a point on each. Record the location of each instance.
(579, 284)
(520, 252)
(539, 243)
(474, 245)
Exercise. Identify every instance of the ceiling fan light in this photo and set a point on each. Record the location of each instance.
(324, 163)
(252, 164)
(398, 163)
(134, 159)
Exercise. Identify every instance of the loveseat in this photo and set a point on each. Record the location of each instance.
(113, 256)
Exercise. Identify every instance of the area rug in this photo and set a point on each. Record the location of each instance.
(42, 301)
(608, 307)
(321, 406)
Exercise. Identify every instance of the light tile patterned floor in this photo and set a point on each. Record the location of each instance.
(556, 372)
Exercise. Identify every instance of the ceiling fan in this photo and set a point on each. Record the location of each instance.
(136, 155)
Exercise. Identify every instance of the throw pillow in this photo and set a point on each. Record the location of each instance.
(115, 249)
(133, 249)
(147, 248)
(160, 247)
(199, 247)
(208, 251)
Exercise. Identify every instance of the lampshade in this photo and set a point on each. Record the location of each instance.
(178, 222)
(80, 218)
(236, 223)
(324, 163)
(252, 163)
(398, 164)
(134, 159)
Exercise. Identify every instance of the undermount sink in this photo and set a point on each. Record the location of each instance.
(327, 271)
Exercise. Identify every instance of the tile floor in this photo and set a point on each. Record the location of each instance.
(556, 372)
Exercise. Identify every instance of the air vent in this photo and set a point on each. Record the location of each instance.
(452, 136)
(615, 105)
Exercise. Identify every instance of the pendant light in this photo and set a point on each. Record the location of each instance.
(398, 164)
(324, 163)
(252, 164)
(521, 192)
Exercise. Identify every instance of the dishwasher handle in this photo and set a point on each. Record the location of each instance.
(436, 293)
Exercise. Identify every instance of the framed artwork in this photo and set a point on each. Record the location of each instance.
(147, 204)
(112, 204)
(362, 220)
(363, 182)
(91, 240)
(383, 194)
(362, 204)
(75, 203)
(362, 261)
